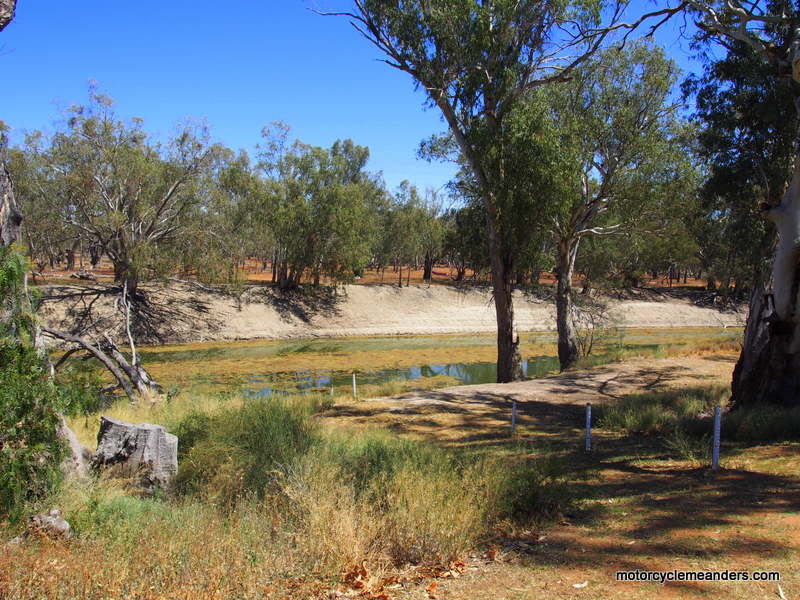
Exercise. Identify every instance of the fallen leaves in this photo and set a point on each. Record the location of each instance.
(359, 583)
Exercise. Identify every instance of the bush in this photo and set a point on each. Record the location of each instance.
(691, 448)
(362, 496)
(30, 452)
(79, 384)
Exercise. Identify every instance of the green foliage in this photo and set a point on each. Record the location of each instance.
(315, 209)
(634, 179)
(78, 384)
(109, 182)
(16, 305)
(274, 448)
(748, 125)
(692, 448)
(29, 449)
(761, 423)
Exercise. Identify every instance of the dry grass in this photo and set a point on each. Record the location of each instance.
(375, 499)
(269, 504)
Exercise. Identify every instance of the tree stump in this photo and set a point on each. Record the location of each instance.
(145, 453)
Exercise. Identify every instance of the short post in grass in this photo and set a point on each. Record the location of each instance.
(513, 416)
(355, 389)
(717, 431)
(588, 446)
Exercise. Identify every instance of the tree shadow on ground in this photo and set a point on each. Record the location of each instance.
(467, 415)
(648, 514)
(639, 506)
(156, 316)
(301, 303)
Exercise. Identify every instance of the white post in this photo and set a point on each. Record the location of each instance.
(588, 446)
(355, 389)
(717, 431)
(513, 416)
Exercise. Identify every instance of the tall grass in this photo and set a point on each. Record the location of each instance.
(269, 503)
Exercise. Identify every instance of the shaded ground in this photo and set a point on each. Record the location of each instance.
(641, 506)
(550, 406)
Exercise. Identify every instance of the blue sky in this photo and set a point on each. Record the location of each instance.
(240, 65)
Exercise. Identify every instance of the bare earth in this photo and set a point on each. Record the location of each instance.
(185, 312)
(545, 405)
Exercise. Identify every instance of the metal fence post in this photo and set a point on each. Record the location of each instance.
(513, 416)
(717, 432)
(588, 446)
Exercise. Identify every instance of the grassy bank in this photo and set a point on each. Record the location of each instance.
(289, 497)
(267, 499)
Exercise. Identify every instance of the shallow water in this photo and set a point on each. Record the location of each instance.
(265, 367)
(463, 373)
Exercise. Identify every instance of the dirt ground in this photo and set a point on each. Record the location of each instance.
(468, 414)
(641, 507)
(186, 312)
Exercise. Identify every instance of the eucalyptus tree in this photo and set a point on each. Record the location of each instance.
(403, 236)
(465, 240)
(319, 204)
(432, 233)
(748, 125)
(124, 191)
(47, 231)
(7, 9)
(475, 60)
(768, 369)
(10, 213)
(630, 161)
(223, 230)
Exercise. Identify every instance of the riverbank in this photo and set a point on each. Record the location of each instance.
(182, 312)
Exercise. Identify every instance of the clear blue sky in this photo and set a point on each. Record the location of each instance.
(240, 65)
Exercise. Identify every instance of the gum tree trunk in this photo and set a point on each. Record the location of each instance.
(10, 213)
(568, 352)
(427, 273)
(509, 361)
(10, 220)
(768, 369)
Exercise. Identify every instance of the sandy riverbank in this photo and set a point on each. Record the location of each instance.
(184, 312)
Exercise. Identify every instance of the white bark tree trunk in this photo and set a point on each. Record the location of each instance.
(768, 369)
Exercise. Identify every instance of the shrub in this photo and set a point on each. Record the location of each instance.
(358, 496)
(691, 448)
(30, 451)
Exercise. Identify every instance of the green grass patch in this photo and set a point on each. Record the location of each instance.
(663, 411)
(762, 423)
